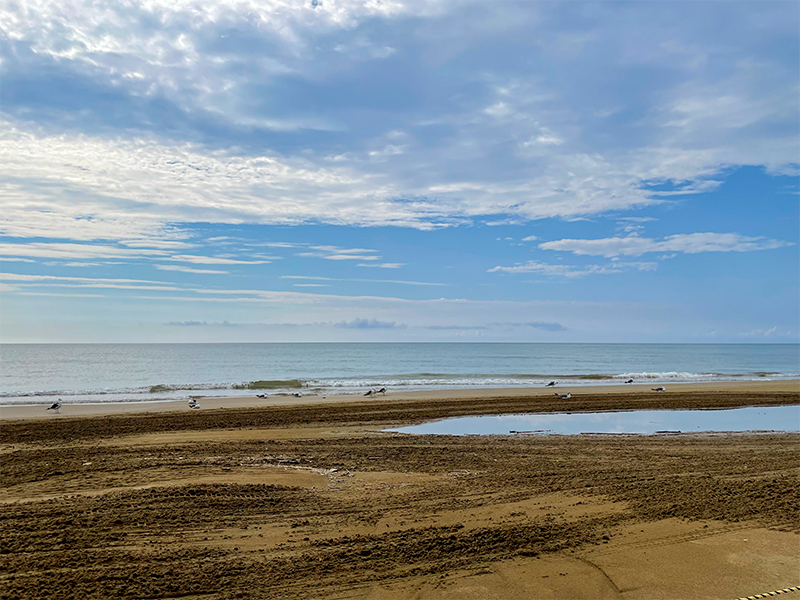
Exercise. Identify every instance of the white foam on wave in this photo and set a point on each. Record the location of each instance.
(358, 385)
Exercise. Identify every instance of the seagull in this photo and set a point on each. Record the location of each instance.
(381, 391)
(566, 396)
(659, 389)
(193, 403)
(56, 406)
(297, 394)
(629, 381)
(261, 395)
(551, 384)
(369, 393)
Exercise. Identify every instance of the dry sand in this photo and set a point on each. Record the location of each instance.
(309, 499)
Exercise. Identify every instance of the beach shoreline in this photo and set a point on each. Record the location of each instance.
(302, 498)
(39, 411)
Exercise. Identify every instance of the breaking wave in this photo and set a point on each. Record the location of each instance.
(357, 385)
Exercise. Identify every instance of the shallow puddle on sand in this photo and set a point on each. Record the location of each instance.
(773, 418)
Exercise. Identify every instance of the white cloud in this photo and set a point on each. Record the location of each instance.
(571, 271)
(723, 105)
(162, 244)
(387, 151)
(369, 324)
(69, 251)
(350, 257)
(543, 140)
(214, 260)
(762, 332)
(93, 282)
(189, 269)
(161, 48)
(399, 281)
(689, 243)
(383, 265)
(337, 253)
(74, 264)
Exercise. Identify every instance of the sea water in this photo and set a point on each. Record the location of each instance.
(93, 373)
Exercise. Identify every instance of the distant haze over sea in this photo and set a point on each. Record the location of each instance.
(94, 373)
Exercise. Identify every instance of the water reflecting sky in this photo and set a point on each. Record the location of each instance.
(776, 418)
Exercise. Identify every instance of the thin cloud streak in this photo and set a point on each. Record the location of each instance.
(572, 272)
(690, 243)
(398, 281)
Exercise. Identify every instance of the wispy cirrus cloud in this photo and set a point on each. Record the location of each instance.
(215, 260)
(93, 282)
(399, 281)
(338, 253)
(73, 251)
(572, 271)
(77, 251)
(687, 243)
(382, 265)
(182, 269)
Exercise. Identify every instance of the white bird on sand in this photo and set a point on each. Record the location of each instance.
(381, 391)
(193, 403)
(629, 381)
(369, 393)
(566, 396)
(659, 389)
(56, 406)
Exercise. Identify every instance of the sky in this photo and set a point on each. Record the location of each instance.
(381, 170)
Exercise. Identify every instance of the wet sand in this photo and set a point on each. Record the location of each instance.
(211, 402)
(310, 499)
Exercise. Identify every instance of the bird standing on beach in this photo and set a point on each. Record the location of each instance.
(369, 393)
(566, 396)
(193, 403)
(56, 406)
(551, 384)
(381, 391)
(659, 389)
(629, 381)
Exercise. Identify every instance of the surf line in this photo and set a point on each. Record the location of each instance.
(775, 593)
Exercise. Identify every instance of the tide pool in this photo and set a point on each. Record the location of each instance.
(648, 422)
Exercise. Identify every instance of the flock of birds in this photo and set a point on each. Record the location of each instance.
(568, 395)
(195, 404)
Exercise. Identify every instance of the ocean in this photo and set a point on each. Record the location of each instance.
(94, 373)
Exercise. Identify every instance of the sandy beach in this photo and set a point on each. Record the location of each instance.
(34, 411)
(311, 499)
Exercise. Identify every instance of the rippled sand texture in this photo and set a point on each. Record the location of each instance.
(313, 501)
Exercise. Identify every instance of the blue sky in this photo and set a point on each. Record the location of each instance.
(399, 171)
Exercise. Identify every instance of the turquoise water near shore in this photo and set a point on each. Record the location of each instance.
(92, 373)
